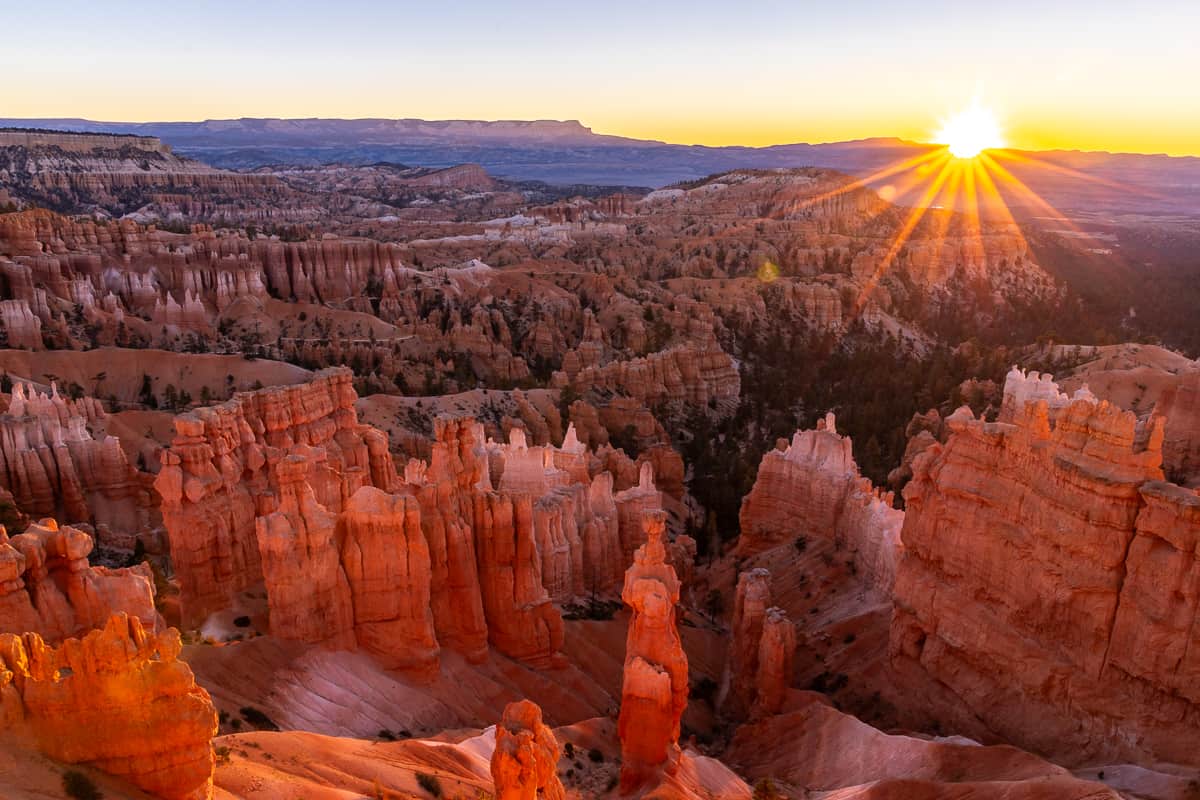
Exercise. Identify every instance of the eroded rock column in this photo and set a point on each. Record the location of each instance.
(655, 688)
(525, 761)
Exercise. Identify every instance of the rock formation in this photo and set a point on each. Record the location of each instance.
(776, 655)
(1180, 404)
(307, 589)
(1039, 556)
(47, 586)
(386, 562)
(54, 465)
(812, 487)
(525, 761)
(1023, 388)
(655, 686)
(218, 476)
(117, 699)
(691, 374)
(446, 490)
(632, 506)
(761, 652)
(521, 620)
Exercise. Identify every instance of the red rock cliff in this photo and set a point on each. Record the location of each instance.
(1049, 584)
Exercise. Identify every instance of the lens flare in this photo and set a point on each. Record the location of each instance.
(971, 131)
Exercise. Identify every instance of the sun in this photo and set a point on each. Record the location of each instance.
(971, 131)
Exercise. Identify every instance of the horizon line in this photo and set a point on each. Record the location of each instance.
(7, 121)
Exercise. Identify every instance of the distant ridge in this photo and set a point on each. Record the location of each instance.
(569, 152)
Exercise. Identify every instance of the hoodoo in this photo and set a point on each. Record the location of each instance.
(655, 687)
(525, 761)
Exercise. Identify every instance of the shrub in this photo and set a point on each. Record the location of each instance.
(258, 719)
(569, 749)
(242, 622)
(705, 689)
(387, 735)
(430, 784)
(79, 786)
(595, 756)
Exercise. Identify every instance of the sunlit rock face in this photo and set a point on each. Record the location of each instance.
(812, 487)
(47, 586)
(1049, 584)
(525, 761)
(655, 686)
(219, 476)
(385, 558)
(117, 699)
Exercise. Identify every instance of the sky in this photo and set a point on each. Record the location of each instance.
(1077, 75)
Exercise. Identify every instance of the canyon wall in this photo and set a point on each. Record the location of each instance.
(475, 548)
(1049, 583)
(219, 475)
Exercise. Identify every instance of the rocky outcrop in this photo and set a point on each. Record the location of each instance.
(386, 562)
(445, 489)
(655, 684)
(1180, 404)
(522, 622)
(307, 589)
(697, 375)
(218, 476)
(751, 600)
(54, 465)
(47, 586)
(525, 761)
(776, 655)
(812, 487)
(761, 651)
(632, 506)
(1048, 584)
(1023, 388)
(117, 699)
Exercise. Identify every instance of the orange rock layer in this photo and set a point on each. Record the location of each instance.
(1050, 584)
(117, 699)
(47, 586)
(525, 761)
(812, 487)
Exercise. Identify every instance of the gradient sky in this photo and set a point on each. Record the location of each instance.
(1082, 75)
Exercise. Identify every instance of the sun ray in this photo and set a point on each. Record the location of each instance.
(1037, 163)
(914, 217)
(907, 165)
(989, 189)
(1017, 185)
